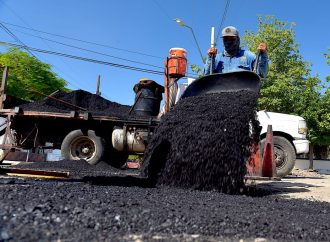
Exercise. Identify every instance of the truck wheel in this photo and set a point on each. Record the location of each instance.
(285, 155)
(2, 155)
(78, 145)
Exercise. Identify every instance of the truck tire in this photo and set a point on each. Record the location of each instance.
(2, 155)
(78, 145)
(285, 155)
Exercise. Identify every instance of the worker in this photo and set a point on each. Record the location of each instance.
(233, 58)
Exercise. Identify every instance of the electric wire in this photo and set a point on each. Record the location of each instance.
(85, 42)
(224, 15)
(162, 10)
(23, 21)
(92, 51)
(171, 19)
(16, 38)
(11, 10)
(28, 49)
(133, 68)
(82, 41)
(84, 59)
(93, 43)
(88, 50)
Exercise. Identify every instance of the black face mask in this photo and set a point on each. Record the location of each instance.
(231, 46)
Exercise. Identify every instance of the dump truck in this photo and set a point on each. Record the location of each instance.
(81, 133)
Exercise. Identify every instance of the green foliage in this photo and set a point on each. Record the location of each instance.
(289, 86)
(320, 135)
(327, 56)
(287, 71)
(197, 69)
(26, 73)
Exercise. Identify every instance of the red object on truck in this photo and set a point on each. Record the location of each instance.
(177, 62)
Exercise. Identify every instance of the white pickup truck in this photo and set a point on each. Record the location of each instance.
(289, 135)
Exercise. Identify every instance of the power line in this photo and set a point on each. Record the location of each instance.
(88, 42)
(16, 38)
(83, 41)
(88, 50)
(163, 10)
(85, 59)
(133, 68)
(224, 15)
(23, 21)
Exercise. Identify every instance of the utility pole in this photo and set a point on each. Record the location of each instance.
(181, 23)
(311, 155)
(98, 85)
(3, 87)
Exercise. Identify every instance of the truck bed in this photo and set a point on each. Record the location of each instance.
(35, 128)
(18, 112)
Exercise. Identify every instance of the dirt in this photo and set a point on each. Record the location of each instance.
(304, 184)
(204, 142)
(304, 173)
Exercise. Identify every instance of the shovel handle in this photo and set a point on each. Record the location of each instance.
(256, 64)
(211, 64)
(212, 46)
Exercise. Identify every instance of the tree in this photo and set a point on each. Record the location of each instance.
(289, 86)
(322, 130)
(327, 56)
(26, 73)
(197, 69)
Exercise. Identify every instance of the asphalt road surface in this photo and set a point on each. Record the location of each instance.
(76, 210)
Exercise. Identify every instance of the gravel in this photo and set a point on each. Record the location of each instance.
(101, 173)
(94, 104)
(100, 203)
(204, 142)
(50, 210)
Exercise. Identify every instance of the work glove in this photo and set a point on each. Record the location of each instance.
(262, 47)
(212, 51)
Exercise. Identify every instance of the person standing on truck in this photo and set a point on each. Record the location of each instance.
(233, 58)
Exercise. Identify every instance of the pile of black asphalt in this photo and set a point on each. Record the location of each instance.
(61, 210)
(196, 156)
(204, 142)
(81, 170)
(87, 101)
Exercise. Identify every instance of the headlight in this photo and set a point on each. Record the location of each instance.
(302, 127)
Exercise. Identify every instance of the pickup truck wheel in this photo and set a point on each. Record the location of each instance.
(285, 155)
(78, 145)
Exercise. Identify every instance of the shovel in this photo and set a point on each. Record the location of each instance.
(224, 82)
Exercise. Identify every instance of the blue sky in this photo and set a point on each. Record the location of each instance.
(147, 27)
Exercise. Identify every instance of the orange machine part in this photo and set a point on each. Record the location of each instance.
(177, 62)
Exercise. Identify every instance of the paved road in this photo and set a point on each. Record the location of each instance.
(302, 184)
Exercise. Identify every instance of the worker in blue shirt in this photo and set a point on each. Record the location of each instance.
(233, 58)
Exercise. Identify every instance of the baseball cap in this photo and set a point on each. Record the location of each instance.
(229, 31)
